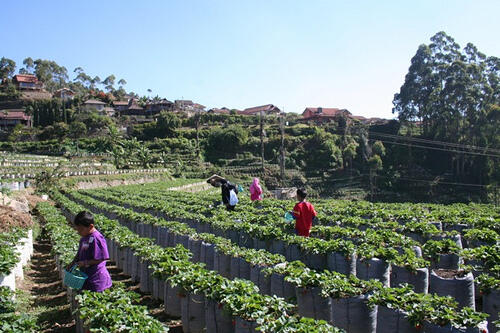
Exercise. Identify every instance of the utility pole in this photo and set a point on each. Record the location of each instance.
(262, 139)
(282, 150)
(197, 124)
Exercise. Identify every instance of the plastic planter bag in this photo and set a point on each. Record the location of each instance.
(393, 321)
(278, 246)
(207, 255)
(373, 268)
(244, 326)
(491, 306)
(145, 278)
(245, 240)
(260, 279)
(311, 304)
(432, 328)
(135, 270)
(193, 313)
(460, 288)
(216, 319)
(292, 253)
(316, 261)
(222, 264)
(158, 292)
(281, 288)
(194, 245)
(419, 279)
(240, 268)
(448, 261)
(353, 314)
(172, 303)
(339, 262)
(163, 236)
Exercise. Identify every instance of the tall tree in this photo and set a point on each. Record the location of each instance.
(109, 82)
(451, 91)
(7, 68)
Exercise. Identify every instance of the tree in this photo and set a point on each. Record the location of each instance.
(95, 81)
(144, 156)
(77, 129)
(225, 142)
(451, 91)
(50, 73)
(322, 152)
(167, 123)
(28, 66)
(378, 148)
(7, 68)
(109, 83)
(349, 153)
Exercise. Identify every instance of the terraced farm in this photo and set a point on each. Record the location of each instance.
(367, 267)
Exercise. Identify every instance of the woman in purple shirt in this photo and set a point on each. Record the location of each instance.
(92, 253)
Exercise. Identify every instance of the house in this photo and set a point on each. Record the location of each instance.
(27, 82)
(120, 106)
(155, 107)
(64, 94)
(321, 114)
(11, 118)
(133, 109)
(183, 104)
(92, 104)
(198, 107)
(267, 109)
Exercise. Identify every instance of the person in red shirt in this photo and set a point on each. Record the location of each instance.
(304, 214)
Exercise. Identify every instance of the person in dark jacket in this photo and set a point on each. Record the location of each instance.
(226, 188)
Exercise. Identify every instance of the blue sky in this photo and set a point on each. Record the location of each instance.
(238, 54)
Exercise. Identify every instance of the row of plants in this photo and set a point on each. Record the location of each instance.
(240, 298)
(439, 242)
(9, 255)
(11, 319)
(261, 225)
(332, 284)
(111, 311)
(419, 230)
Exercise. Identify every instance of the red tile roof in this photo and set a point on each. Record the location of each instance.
(6, 114)
(25, 78)
(120, 103)
(325, 111)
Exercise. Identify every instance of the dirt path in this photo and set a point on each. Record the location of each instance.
(47, 296)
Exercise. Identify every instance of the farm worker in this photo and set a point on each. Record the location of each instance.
(229, 194)
(92, 253)
(304, 214)
(255, 190)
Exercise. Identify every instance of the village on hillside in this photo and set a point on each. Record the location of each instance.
(138, 110)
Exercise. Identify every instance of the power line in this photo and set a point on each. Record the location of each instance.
(442, 143)
(437, 148)
(432, 181)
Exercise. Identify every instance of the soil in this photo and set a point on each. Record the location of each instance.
(48, 298)
(9, 218)
(449, 273)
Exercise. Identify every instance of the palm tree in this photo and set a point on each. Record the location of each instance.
(144, 156)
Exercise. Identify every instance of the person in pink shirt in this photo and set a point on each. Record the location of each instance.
(255, 190)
